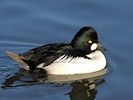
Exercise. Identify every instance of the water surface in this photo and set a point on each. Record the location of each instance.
(25, 24)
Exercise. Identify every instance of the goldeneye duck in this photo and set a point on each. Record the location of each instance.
(82, 55)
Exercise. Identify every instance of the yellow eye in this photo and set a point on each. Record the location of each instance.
(90, 41)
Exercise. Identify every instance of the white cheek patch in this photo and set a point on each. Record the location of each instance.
(93, 46)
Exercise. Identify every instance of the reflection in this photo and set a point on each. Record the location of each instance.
(84, 90)
(21, 78)
(83, 85)
(71, 78)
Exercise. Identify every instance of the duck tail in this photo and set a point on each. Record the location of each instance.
(17, 58)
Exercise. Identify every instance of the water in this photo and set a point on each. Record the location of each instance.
(25, 24)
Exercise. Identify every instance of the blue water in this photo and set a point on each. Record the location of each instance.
(25, 24)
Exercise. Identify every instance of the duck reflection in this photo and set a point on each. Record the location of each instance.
(84, 90)
(21, 78)
(83, 85)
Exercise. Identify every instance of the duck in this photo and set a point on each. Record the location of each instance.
(83, 54)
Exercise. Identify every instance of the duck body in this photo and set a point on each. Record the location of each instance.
(82, 55)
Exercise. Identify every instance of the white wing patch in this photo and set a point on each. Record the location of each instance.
(40, 65)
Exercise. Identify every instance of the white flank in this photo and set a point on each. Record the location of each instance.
(40, 66)
(63, 66)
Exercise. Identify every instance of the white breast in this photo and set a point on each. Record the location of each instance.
(63, 66)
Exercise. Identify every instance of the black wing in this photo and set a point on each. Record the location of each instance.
(45, 54)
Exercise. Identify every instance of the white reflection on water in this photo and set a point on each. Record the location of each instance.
(83, 85)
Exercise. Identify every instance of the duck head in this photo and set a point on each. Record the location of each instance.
(86, 40)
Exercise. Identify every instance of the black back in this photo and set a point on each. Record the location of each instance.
(45, 54)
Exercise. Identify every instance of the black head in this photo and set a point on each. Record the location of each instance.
(86, 39)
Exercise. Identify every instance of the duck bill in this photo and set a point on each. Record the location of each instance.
(99, 47)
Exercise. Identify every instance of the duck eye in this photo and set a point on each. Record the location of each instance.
(89, 41)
